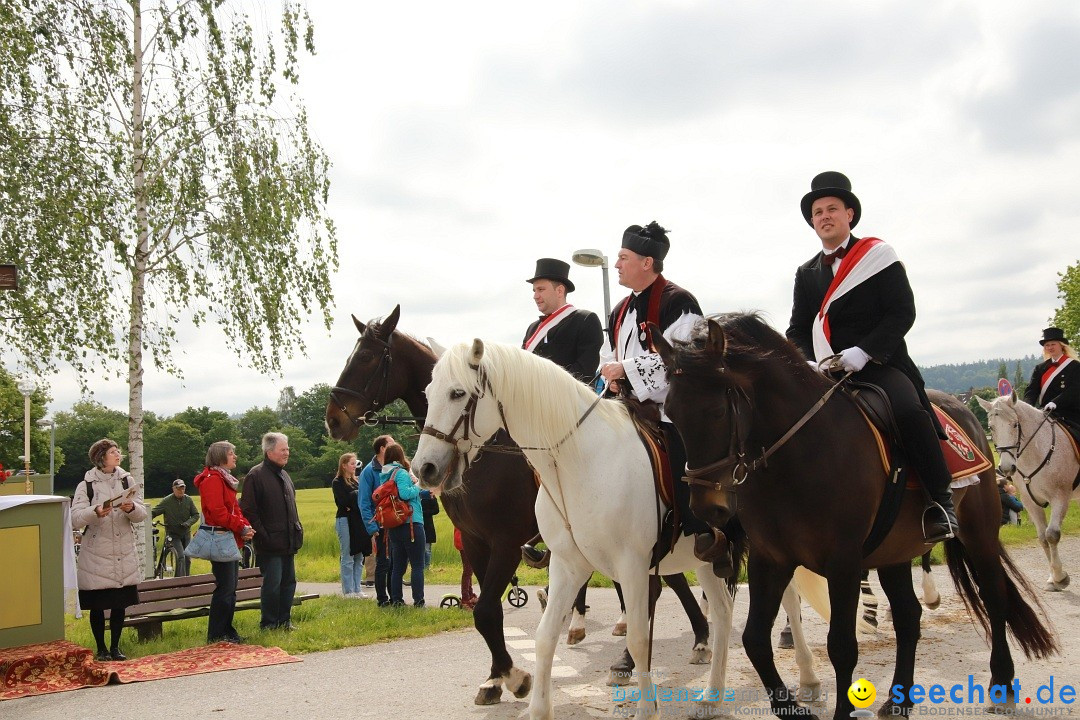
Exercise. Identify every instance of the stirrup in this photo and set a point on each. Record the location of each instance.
(538, 559)
(949, 534)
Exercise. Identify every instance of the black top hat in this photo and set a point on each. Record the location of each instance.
(831, 184)
(650, 241)
(1051, 334)
(552, 269)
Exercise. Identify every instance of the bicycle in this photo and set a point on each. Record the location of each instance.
(247, 555)
(167, 560)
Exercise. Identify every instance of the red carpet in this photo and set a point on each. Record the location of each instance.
(61, 665)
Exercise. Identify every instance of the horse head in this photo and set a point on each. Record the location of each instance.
(367, 383)
(1003, 419)
(460, 416)
(704, 403)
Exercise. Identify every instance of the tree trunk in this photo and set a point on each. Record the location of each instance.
(138, 285)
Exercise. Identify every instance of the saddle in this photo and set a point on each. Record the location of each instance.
(962, 456)
(646, 417)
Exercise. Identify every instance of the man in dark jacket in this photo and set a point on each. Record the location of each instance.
(269, 504)
(853, 299)
(569, 337)
(180, 514)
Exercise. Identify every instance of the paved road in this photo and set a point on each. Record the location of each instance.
(439, 674)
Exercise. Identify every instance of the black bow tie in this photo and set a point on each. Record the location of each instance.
(838, 254)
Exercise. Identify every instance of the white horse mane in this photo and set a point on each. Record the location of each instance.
(545, 399)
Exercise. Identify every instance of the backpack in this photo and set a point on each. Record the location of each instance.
(390, 510)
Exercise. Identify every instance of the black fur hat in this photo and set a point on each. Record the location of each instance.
(650, 241)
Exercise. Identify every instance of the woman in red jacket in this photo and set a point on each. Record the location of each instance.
(221, 513)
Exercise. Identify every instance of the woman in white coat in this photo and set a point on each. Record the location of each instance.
(108, 559)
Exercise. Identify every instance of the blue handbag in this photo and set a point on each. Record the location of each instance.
(215, 546)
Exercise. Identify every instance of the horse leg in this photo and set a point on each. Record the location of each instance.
(844, 579)
(869, 600)
(701, 654)
(767, 584)
(1038, 517)
(721, 605)
(565, 576)
(809, 684)
(1059, 579)
(907, 613)
(620, 625)
(640, 591)
(930, 596)
(577, 624)
(622, 670)
(494, 569)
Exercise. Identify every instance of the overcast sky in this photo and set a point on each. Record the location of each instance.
(469, 139)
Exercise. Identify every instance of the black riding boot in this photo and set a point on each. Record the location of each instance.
(534, 558)
(939, 517)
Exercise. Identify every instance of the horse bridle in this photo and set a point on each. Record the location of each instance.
(717, 475)
(1015, 451)
(382, 372)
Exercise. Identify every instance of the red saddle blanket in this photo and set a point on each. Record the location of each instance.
(962, 456)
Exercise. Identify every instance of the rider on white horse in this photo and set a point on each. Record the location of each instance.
(1055, 382)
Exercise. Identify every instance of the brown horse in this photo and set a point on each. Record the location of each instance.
(493, 508)
(811, 499)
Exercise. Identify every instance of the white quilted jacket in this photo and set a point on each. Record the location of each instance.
(107, 558)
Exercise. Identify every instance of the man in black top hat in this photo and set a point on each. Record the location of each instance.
(1055, 382)
(630, 363)
(569, 337)
(853, 299)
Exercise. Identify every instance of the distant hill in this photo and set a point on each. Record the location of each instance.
(983, 373)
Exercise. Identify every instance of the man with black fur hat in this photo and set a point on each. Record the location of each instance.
(569, 337)
(1055, 382)
(853, 299)
(629, 361)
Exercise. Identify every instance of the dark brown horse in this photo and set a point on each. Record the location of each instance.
(494, 508)
(737, 390)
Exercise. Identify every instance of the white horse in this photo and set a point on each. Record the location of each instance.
(1038, 449)
(597, 508)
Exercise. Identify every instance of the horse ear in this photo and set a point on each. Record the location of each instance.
(1012, 398)
(477, 353)
(717, 342)
(387, 326)
(436, 348)
(359, 325)
(667, 353)
(984, 404)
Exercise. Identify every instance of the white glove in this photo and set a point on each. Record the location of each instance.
(854, 359)
(815, 366)
(1049, 407)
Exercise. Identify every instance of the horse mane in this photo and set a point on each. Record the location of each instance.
(751, 346)
(374, 329)
(551, 399)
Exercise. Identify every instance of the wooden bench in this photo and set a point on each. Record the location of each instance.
(187, 597)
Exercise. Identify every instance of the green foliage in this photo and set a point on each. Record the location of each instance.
(961, 377)
(1067, 317)
(174, 450)
(974, 407)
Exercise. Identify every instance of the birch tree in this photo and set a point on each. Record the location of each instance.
(152, 172)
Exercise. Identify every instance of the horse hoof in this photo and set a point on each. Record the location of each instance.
(575, 636)
(488, 695)
(786, 641)
(1052, 586)
(519, 682)
(700, 656)
(1063, 582)
(932, 604)
(809, 693)
(619, 629)
(620, 676)
(890, 709)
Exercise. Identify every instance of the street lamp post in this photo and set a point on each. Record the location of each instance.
(591, 257)
(27, 387)
(51, 424)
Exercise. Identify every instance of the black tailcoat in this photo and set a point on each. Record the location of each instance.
(573, 344)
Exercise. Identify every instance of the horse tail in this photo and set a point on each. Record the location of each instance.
(740, 548)
(1035, 638)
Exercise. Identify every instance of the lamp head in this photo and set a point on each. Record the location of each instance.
(26, 386)
(590, 257)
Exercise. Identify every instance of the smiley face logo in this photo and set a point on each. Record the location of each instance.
(862, 693)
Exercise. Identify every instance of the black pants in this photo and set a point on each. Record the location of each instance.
(223, 602)
(677, 460)
(922, 447)
(382, 568)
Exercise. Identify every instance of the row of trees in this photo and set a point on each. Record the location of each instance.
(176, 445)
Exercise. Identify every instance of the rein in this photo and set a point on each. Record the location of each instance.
(736, 458)
(1009, 450)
